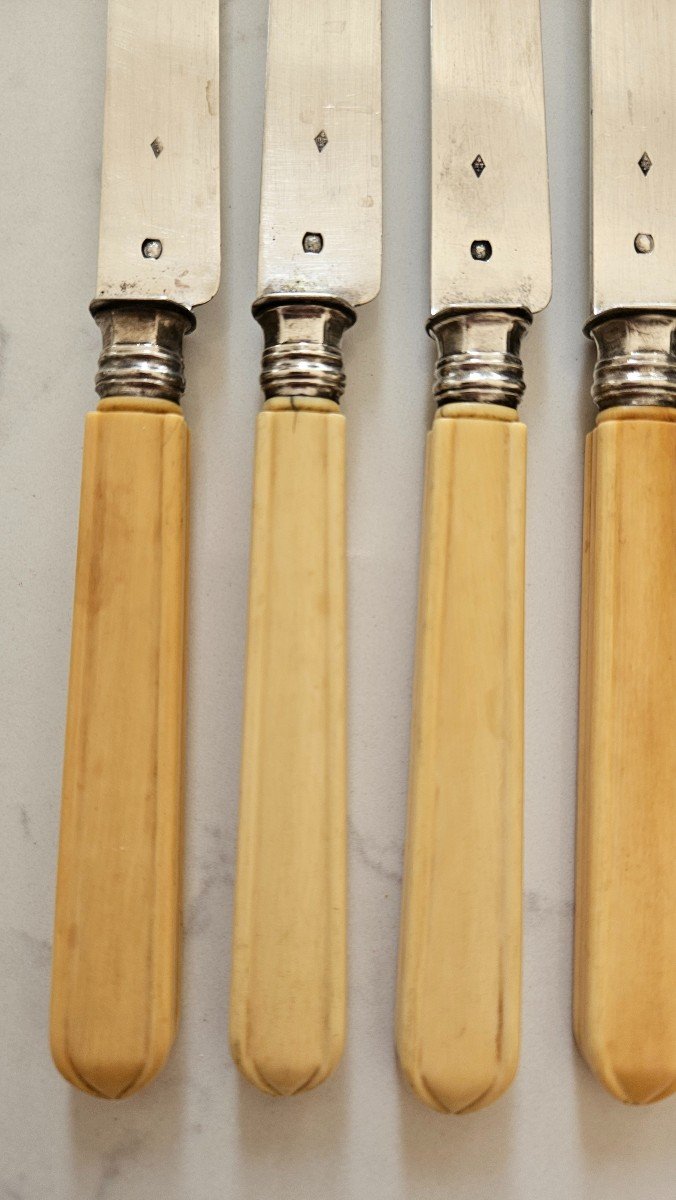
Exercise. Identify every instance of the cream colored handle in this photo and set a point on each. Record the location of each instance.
(116, 937)
(287, 1014)
(460, 946)
(625, 943)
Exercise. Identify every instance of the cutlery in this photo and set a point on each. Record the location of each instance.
(625, 936)
(458, 1002)
(319, 258)
(117, 929)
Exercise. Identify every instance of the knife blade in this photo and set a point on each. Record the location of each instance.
(160, 173)
(116, 941)
(322, 151)
(458, 1002)
(625, 936)
(320, 253)
(489, 158)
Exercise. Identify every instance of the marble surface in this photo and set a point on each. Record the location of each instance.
(198, 1132)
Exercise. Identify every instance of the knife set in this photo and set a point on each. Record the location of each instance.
(117, 932)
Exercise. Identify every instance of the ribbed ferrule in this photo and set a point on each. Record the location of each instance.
(302, 354)
(479, 357)
(636, 359)
(142, 351)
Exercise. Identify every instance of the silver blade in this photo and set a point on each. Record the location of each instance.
(491, 241)
(633, 154)
(321, 208)
(160, 178)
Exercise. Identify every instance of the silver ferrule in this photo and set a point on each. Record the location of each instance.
(636, 359)
(302, 347)
(479, 357)
(142, 351)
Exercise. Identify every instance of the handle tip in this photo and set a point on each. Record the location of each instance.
(632, 1080)
(283, 1075)
(457, 1088)
(106, 1076)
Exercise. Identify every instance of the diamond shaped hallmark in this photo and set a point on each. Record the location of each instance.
(156, 147)
(478, 166)
(321, 140)
(645, 162)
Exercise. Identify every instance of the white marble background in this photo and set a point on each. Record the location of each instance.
(198, 1132)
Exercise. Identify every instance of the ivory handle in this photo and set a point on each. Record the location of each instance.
(287, 1014)
(625, 947)
(116, 938)
(460, 947)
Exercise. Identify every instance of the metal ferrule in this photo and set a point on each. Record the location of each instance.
(479, 357)
(302, 347)
(636, 359)
(142, 351)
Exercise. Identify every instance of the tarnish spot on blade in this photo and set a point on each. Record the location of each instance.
(211, 97)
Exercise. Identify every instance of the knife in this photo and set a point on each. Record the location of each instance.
(625, 938)
(117, 929)
(319, 258)
(457, 1027)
